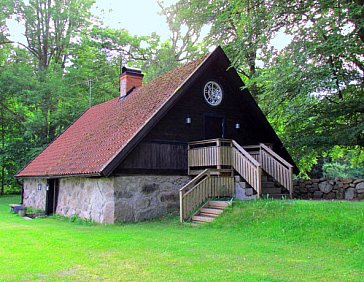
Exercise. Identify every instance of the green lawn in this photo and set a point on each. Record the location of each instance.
(253, 241)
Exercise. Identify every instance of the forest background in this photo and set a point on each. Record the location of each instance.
(311, 90)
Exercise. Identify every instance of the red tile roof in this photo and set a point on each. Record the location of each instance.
(95, 139)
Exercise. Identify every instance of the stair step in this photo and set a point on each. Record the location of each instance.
(268, 184)
(275, 196)
(211, 211)
(218, 204)
(207, 214)
(197, 218)
(275, 190)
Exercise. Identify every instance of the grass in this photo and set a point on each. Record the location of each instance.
(253, 241)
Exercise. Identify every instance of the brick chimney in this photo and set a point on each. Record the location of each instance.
(129, 79)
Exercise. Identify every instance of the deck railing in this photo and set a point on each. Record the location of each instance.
(222, 153)
(200, 189)
(247, 167)
(280, 169)
(212, 152)
(248, 161)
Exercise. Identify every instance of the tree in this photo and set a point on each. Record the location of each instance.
(50, 25)
(314, 88)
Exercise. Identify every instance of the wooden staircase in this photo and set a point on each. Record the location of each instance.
(209, 211)
(270, 189)
(214, 163)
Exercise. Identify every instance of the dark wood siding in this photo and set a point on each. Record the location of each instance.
(164, 149)
(156, 157)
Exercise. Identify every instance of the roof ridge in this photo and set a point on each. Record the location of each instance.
(103, 131)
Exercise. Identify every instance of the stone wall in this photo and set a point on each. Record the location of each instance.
(145, 197)
(111, 199)
(88, 198)
(32, 196)
(338, 188)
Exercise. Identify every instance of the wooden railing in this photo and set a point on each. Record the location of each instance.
(248, 167)
(219, 153)
(213, 152)
(248, 161)
(280, 169)
(200, 189)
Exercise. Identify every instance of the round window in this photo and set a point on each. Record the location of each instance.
(212, 93)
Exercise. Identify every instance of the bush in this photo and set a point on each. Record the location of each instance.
(332, 170)
(12, 189)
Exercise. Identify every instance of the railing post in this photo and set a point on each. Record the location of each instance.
(259, 181)
(219, 159)
(188, 159)
(290, 182)
(181, 219)
(260, 154)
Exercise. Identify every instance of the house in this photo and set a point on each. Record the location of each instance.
(127, 159)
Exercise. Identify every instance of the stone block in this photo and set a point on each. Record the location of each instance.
(317, 195)
(330, 196)
(149, 188)
(312, 189)
(325, 187)
(356, 181)
(360, 187)
(237, 178)
(350, 194)
(123, 193)
(340, 194)
(304, 189)
(239, 192)
(347, 180)
(171, 197)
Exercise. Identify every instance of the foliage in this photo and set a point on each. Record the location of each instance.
(11, 190)
(256, 240)
(312, 90)
(332, 170)
(51, 25)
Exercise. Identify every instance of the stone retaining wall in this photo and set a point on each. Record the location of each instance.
(338, 188)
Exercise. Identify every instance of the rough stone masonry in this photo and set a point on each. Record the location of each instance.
(111, 199)
(329, 189)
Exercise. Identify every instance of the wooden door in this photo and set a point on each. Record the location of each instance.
(214, 127)
(51, 196)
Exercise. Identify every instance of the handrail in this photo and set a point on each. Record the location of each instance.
(277, 167)
(223, 153)
(203, 173)
(216, 140)
(276, 156)
(245, 153)
(247, 167)
(199, 190)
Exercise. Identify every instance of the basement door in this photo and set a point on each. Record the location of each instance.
(214, 126)
(52, 190)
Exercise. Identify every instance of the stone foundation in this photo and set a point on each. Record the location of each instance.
(145, 197)
(88, 198)
(112, 199)
(34, 194)
(329, 189)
